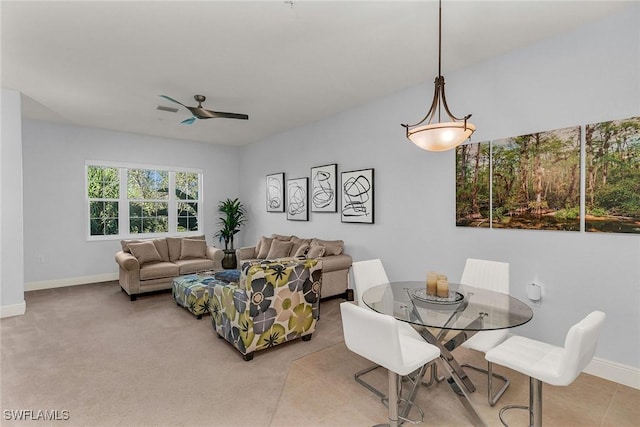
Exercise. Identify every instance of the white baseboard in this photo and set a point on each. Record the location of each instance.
(73, 281)
(616, 372)
(13, 310)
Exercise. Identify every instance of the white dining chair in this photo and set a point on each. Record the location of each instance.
(542, 362)
(366, 275)
(494, 276)
(377, 338)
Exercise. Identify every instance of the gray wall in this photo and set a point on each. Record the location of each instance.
(11, 224)
(54, 165)
(587, 76)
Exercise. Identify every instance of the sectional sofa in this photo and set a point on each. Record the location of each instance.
(335, 263)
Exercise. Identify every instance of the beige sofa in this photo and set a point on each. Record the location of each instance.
(335, 263)
(151, 265)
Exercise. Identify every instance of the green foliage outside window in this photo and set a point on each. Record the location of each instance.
(148, 195)
(187, 190)
(103, 190)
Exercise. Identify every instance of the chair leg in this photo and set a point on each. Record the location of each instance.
(393, 398)
(535, 402)
(365, 384)
(490, 375)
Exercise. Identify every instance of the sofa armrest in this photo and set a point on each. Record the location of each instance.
(216, 255)
(247, 252)
(336, 262)
(127, 261)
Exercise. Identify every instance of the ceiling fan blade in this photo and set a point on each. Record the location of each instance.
(172, 100)
(229, 115)
(189, 121)
(201, 113)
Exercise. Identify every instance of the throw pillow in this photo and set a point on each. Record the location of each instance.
(263, 249)
(163, 248)
(193, 249)
(332, 247)
(302, 251)
(281, 237)
(297, 242)
(316, 251)
(145, 252)
(279, 249)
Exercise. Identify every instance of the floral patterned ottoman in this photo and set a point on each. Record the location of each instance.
(189, 292)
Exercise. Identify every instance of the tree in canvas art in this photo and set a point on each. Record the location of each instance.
(472, 185)
(536, 181)
(612, 194)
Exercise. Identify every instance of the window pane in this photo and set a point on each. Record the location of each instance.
(187, 216)
(147, 184)
(148, 217)
(103, 182)
(103, 217)
(186, 185)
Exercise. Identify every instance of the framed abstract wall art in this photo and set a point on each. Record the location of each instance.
(297, 199)
(357, 196)
(323, 188)
(612, 191)
(275, 192)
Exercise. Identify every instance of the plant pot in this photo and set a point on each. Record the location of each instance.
(229, 262)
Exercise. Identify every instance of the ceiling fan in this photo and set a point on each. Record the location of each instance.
(201, 113)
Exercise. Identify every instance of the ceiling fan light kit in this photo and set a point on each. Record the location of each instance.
(438, 135)
(201, 113)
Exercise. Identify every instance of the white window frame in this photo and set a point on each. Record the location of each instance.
(123, 202)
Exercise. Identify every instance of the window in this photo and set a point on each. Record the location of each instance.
(148, 196)
(125, 201)
(104, 193)
(187, 194)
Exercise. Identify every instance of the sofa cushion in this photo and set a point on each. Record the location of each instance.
(282, 237)
(297, 242)
(187, 266)
(332, 247)
(145, 252)
(175, 245)
(163, 248)
(279, 249)
(158, 270)
(263, 246)
(316, 251)
(192, 248)
(301, 251)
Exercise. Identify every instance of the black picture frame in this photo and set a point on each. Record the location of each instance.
(357, 201)
(275, 192)
(323, 196)
(298, 199)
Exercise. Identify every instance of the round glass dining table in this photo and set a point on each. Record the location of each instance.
(465, 309)
(462, 313)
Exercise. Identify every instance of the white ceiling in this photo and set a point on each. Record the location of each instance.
(103, 64)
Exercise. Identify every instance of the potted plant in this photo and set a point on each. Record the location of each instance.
(233, 218)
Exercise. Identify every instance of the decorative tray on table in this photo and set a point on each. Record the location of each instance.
(454, 297)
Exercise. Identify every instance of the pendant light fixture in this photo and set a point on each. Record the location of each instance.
(431, 133)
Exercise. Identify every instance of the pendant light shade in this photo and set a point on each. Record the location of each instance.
(431, 133)
(440, 136)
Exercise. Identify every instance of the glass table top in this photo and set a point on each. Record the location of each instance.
(467, 308)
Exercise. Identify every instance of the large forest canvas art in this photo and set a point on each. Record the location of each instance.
(612, 193)
(473, 202)
(536, 181)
